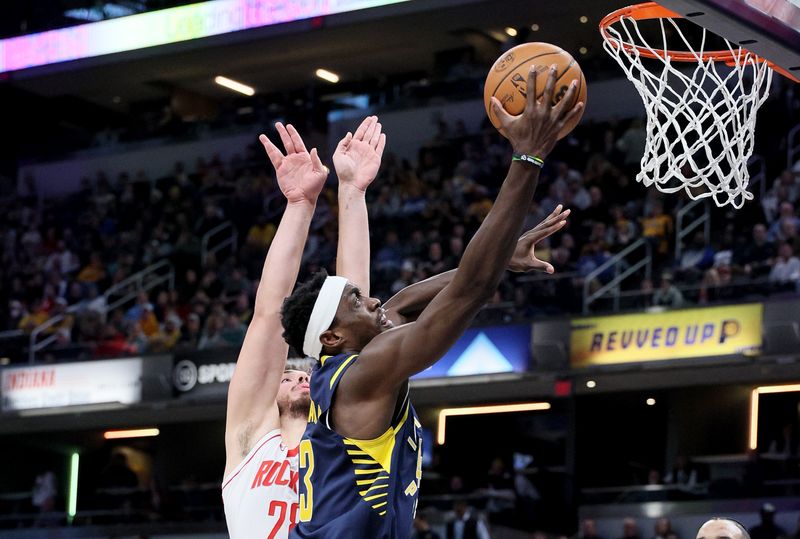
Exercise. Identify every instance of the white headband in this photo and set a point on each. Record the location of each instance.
(323, 314)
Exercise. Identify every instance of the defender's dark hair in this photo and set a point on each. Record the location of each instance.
(296, 311)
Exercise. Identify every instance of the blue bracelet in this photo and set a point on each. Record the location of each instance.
(532, 159)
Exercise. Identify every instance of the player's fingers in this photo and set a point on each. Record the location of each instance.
(297, 140)
(342, 146)
(572, 114)
(530, 96)
(555, 212)
(549, 86)
(560, 216)
(370, 130)
(381, 144)
(285, 138)
(315, 160)
(376, 135)
(359, 134)
(569, 97)
(274, 154)
(541, 265)
(502, 114)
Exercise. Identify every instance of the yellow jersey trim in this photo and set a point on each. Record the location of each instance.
(338, 372)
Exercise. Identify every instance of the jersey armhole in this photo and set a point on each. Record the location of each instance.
(275, 433)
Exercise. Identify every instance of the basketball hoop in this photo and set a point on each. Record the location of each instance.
(700, 121)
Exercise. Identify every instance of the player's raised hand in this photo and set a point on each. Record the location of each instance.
(358, 155)
(535, 131)
(524, 258)
(300, 173)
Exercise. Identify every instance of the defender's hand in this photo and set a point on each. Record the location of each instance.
(358, 156)
(535, 131)
(524, 259)
(300, 173)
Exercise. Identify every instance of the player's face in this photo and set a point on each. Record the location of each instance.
(294, 393)
(360, 318)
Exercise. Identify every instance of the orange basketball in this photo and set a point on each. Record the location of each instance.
(508, 79)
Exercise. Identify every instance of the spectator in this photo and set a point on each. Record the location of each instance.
(786, 271)
(234, 330)
(784, 445)
(755, 258)
(190, 333)
(632, 144)
(785, 215)
(629, 529)
(502, 496)
(422, 529)
(696, 258)
(589, 530)
(465, 525)
(16, 314)
(657, 226)
(212, 334)
(662, 528)
(167, 336)
(767, 529)
(43, 496)
(94, 271)
(682, 473)
(668, 295)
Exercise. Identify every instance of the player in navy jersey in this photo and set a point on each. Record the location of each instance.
(360, 457)
(267, 403)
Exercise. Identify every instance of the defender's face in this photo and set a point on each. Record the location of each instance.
(295, 388)
(360, 318)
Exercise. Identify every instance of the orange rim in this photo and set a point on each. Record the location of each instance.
(652, 10)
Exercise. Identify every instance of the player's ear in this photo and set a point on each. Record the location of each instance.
(331, 338)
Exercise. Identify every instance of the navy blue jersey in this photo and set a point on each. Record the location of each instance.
(356, 488)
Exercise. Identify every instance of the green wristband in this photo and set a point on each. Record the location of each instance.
(532, 159)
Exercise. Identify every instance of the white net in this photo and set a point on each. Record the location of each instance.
(701, 116)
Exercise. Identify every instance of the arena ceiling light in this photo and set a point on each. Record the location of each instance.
(132, 433)
(480, 410)
(329, 76)
(234, 85)
(511, 31)
(754, 396)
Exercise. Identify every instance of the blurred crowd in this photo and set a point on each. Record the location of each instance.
(61, 256)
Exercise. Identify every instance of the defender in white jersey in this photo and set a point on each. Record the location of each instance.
(267, 404)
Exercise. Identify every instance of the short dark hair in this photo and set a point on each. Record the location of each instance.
(296, 311)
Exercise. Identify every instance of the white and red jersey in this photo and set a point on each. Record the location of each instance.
(260, 494)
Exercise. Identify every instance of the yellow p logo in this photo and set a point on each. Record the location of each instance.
(730, 329)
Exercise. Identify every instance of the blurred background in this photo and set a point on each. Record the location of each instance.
(651, 383)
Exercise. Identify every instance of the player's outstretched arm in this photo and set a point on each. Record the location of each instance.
(408, 303)
(357, 159)
(391, 357)
(252, 411)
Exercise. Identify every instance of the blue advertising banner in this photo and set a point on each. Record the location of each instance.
(484, 351)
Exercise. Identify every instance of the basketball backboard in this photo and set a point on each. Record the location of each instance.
(769, 28)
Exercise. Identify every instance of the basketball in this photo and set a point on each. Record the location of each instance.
(508, 79)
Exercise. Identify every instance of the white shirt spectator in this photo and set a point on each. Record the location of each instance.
(480, 530)
(785, 270)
